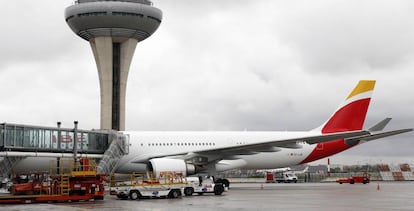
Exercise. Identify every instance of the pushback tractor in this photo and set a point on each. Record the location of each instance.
(203, 184)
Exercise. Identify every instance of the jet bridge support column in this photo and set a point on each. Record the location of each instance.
(75, 143)
(58, 141)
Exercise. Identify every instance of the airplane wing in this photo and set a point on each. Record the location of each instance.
(268, 146)
(273, 146)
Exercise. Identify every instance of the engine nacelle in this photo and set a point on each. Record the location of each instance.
(159, 165)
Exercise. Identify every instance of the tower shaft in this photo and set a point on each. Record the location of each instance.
(113, 58)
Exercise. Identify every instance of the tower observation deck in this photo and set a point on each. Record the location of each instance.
(113, 29)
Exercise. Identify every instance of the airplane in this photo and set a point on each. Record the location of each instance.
(192, 152)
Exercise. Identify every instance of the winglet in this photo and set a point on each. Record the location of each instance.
(352, 112)
(380, 125)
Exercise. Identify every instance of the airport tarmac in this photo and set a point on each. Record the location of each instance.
(251, 196)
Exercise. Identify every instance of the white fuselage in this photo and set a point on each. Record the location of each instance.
(146, 145)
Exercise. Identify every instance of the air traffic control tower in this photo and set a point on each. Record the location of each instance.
(113, 29)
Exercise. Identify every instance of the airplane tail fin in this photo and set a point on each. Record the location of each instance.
(352, 112)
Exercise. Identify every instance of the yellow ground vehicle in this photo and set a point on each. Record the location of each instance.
(168, 185)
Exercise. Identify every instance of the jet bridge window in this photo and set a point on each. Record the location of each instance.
(40, 139)
(1, 138)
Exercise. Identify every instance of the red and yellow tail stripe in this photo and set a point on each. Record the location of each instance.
(352, 112)
(349, 116)
(364, 86)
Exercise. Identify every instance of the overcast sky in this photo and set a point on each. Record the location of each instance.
(221, 65)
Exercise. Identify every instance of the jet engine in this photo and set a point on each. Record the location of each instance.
(159, 165)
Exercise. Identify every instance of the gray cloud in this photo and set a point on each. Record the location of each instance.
(32, 31)
(364, 35)
(220, 65)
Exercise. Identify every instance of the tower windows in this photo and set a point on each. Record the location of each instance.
(91, 14)
(127, 14)
(154, 18)
(70, 17)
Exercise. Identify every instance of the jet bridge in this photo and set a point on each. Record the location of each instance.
(18, 142)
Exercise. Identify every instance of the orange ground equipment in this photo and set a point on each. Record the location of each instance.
(69, 181)
(364, 178)
(35, 183)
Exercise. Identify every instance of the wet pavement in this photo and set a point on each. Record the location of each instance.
(257, 196)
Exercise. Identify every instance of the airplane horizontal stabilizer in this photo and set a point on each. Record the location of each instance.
(356, 140)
